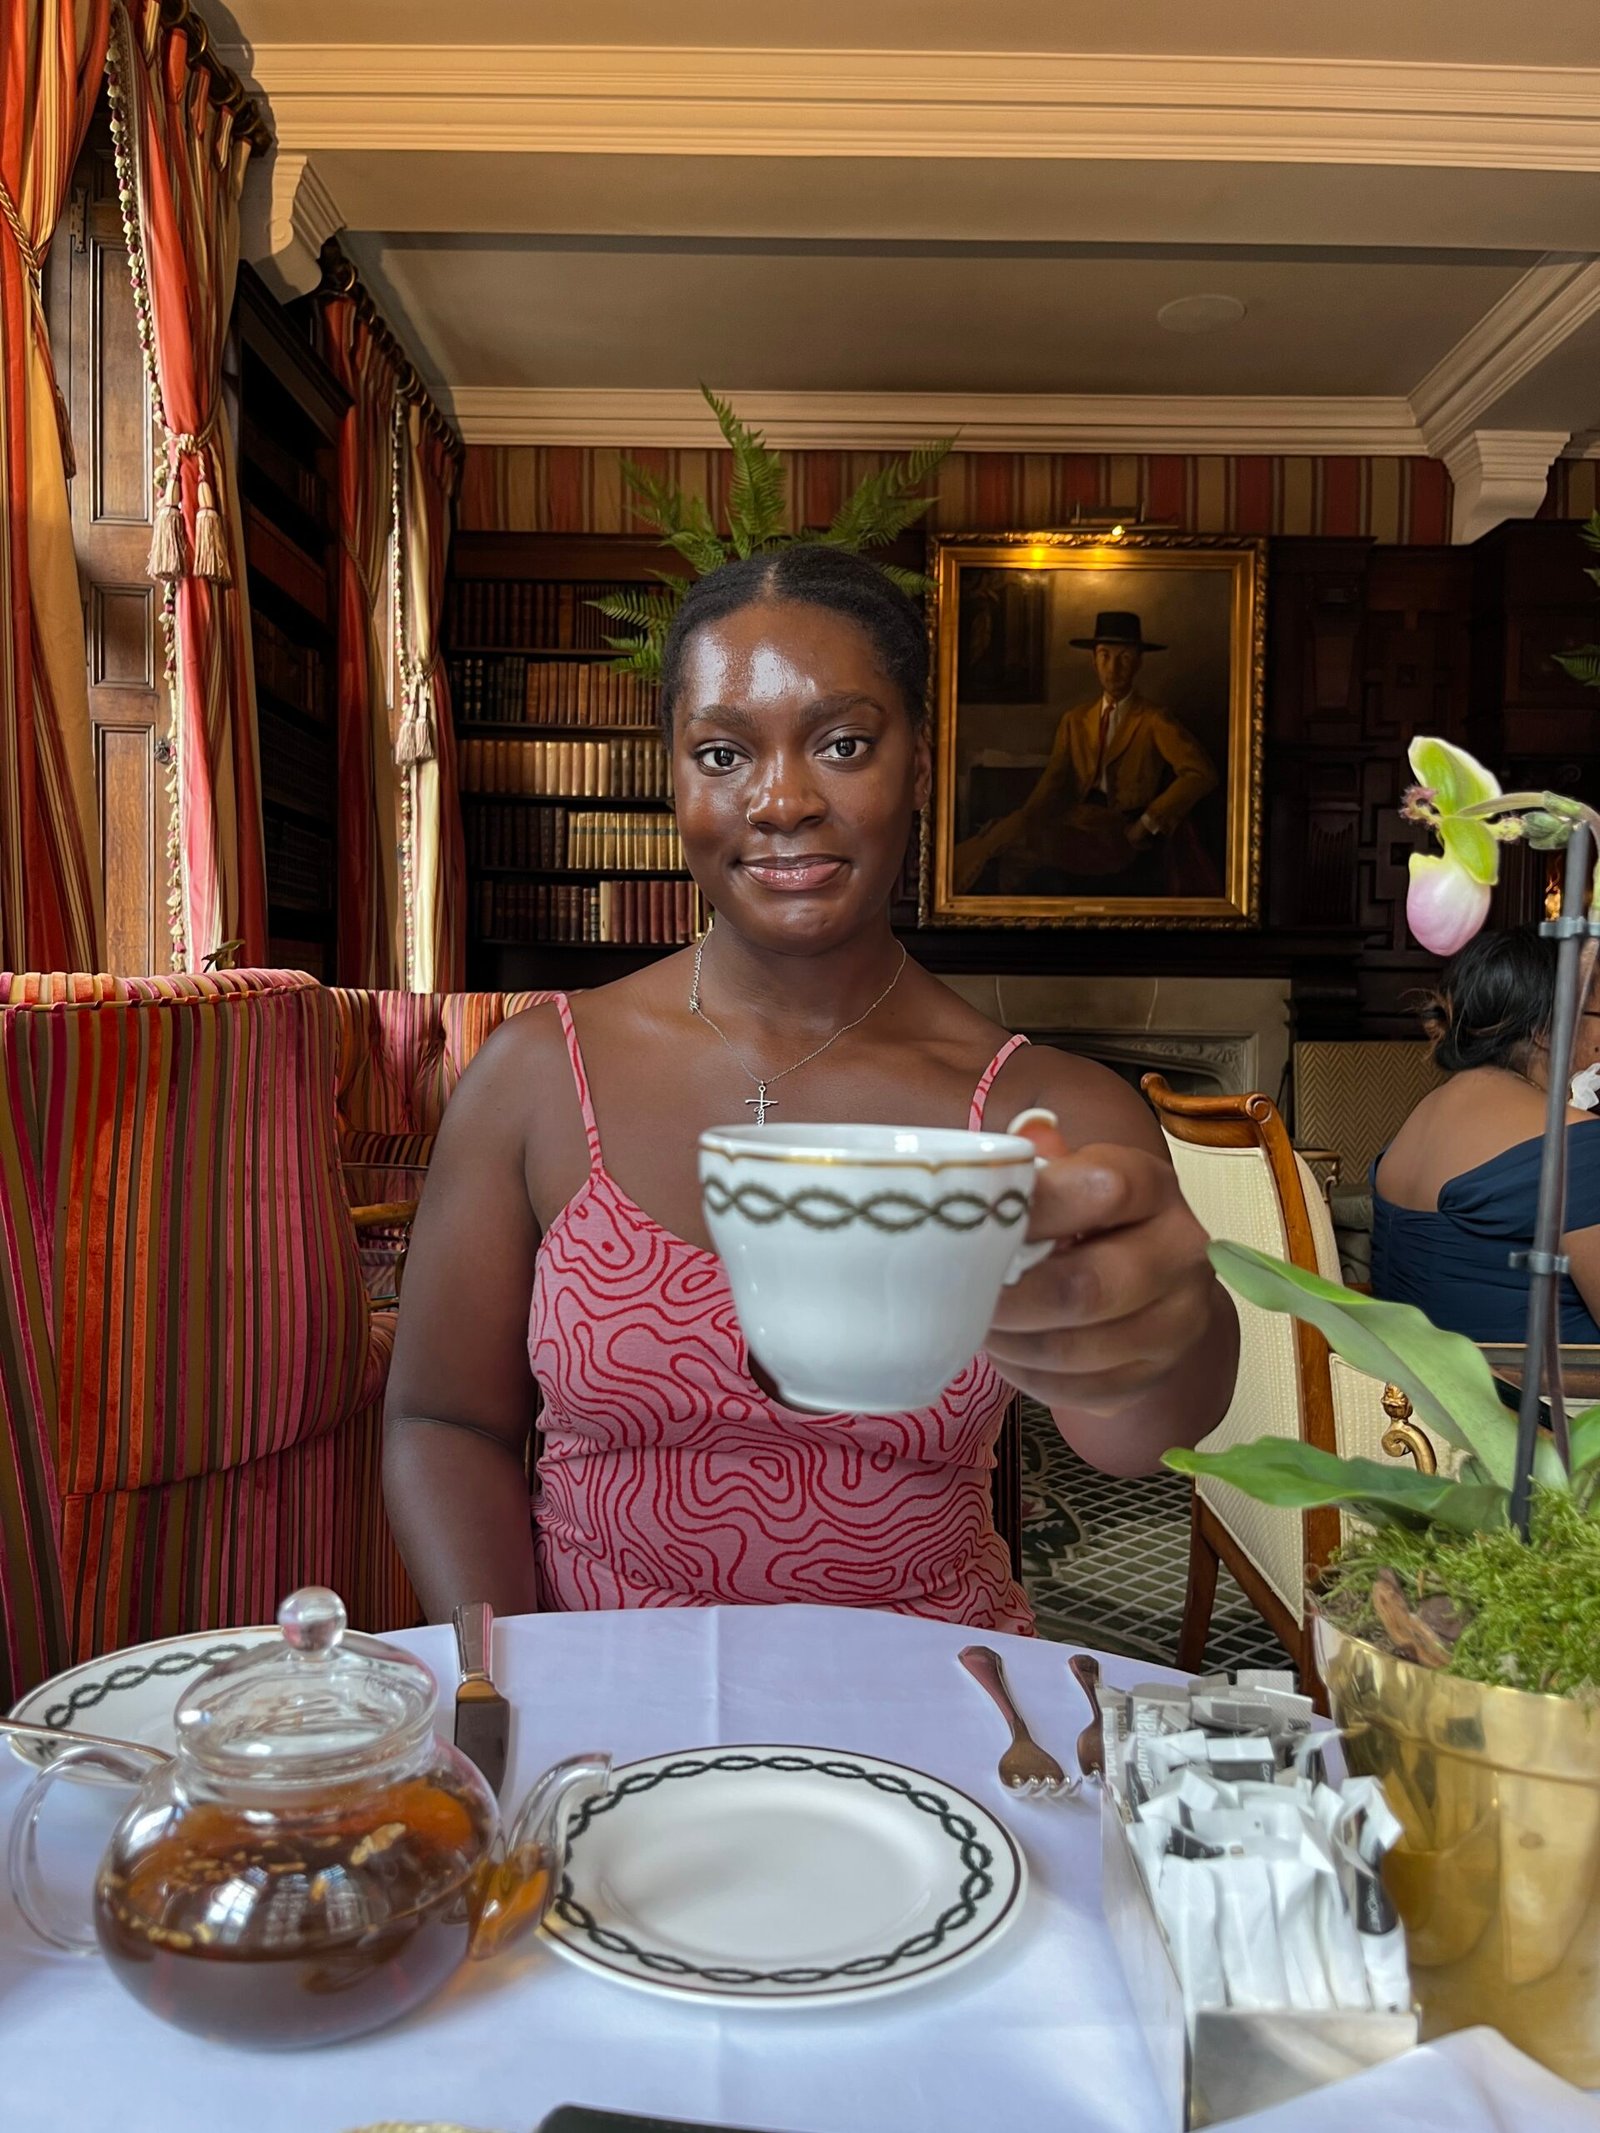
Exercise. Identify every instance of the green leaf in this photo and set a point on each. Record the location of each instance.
(759, 489)
(1589, 531)
(1298, 1477)
(883, 505)
(1442, 1374)
(666, 509)
(912, 583)
(1584, 1430)
(1583, 665)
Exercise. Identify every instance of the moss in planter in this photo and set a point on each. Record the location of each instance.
(1532, 1613)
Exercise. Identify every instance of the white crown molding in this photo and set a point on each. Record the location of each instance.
(980, 422)
(1499, 474)
(676, 100)
(286, 216)
(1523, 330)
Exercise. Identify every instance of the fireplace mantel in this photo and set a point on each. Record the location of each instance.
(1207, 1035)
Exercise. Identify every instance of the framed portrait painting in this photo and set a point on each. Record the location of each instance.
(1097, 730)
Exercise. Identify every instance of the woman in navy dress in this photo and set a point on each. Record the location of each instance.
(1454, 1193)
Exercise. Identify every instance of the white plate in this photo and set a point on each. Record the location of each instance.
(129, 1695)
(780, 1876)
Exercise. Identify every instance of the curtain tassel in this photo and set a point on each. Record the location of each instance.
(69, 456)
(210, 549)
(414, 742)
(169, 558)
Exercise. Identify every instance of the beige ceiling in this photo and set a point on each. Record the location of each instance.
(1552, 33)
(923, 317)
(609, 196)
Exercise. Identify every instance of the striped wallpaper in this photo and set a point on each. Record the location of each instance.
(578, 489)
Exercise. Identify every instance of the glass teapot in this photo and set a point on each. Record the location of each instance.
(313, 1861)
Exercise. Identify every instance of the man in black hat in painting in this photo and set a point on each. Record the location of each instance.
(1122, 775)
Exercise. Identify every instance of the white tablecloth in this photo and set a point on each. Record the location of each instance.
(1039, 2033)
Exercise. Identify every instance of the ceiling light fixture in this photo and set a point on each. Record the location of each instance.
(1199, 314)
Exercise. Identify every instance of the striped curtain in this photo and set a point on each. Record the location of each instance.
(52, 56)
(435, 849)
(372, 946)
(180, 169)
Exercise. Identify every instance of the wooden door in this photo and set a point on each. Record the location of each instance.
(94, 331)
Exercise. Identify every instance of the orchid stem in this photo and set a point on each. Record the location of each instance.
(1543, 1350)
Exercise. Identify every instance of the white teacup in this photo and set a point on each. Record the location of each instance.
(865, 1261)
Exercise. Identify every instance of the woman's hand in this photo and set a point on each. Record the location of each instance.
(1123, 1332)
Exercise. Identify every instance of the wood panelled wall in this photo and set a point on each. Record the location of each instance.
(95, 336)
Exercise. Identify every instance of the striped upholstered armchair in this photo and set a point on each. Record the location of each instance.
(400, 1057)
(205, 1365)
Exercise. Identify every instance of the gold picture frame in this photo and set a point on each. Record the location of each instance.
(1064, 793)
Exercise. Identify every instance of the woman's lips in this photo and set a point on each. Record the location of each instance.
(793, 876)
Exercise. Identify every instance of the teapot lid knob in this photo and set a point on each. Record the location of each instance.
(312, 1619)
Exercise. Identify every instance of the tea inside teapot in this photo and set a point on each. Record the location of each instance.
(297, 1934)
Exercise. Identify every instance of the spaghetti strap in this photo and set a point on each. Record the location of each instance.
(590, 1127)
(980, 1095)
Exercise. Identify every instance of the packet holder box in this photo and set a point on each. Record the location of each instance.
(1237, 2061)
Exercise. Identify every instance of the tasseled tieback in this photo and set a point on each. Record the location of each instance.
(415, 742)
(33, 260)
(170, 558)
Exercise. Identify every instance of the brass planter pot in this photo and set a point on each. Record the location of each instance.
(1498, 1873)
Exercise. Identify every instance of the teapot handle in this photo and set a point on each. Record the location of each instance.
(28, 1889)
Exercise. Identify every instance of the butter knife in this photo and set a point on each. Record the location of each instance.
(483, 1717)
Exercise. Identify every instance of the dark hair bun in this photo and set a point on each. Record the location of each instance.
(1494, 1002)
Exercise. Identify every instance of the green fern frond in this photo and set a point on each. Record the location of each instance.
(636, 655)
(665, 508)
(697, 539)
(1589, 531)
(911, 582)
(760, 486)
(887, 502)
(639, 607)
(1583, 664)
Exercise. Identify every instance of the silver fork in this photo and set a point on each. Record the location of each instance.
(1025, 1767)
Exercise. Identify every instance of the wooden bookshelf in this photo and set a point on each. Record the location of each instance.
(290, 408)
(574, 871)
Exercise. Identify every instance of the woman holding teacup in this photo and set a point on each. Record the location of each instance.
(672, 1472)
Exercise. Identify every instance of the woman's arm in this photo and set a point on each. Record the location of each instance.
(461, 1398)
(1124, 1332)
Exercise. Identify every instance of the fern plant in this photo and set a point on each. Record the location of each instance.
(1584, 664)
(878, 510)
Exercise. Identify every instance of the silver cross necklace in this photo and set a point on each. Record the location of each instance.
(761, 1103)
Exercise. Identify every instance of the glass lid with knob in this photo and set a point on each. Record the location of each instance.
(323, 1705)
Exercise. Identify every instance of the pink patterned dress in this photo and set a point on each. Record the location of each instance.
(670, 1479)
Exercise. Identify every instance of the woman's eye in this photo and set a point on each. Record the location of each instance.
(719, 756)
(845, 747)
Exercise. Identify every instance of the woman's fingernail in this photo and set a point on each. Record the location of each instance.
(1038, 1116)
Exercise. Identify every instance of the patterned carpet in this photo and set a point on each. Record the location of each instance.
(1106, 1561)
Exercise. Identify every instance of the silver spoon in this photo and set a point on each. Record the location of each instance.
(25, 1729)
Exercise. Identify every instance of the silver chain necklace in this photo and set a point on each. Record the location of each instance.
(761, 1103)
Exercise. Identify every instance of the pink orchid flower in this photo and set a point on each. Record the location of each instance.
(1448, 897)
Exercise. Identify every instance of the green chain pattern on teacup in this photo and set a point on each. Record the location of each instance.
(894, 1213)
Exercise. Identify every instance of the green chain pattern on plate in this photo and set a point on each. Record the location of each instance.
(976, 1859)
(89, 1693)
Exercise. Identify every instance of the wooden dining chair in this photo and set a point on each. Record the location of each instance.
(1007, 1484)
(1244, 1182)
